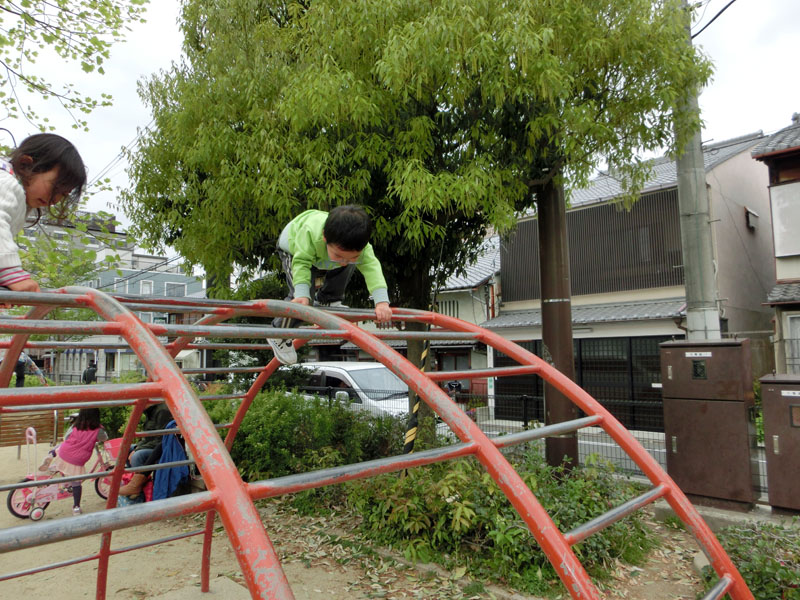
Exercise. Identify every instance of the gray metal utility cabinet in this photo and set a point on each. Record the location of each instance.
(780, 403)
(708, 420)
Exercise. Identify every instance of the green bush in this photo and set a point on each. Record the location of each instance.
(286, 433)
(768, 557)
(455, 513)
(759, 412)
(115, 418)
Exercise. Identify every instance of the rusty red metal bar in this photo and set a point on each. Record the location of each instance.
(232, 499)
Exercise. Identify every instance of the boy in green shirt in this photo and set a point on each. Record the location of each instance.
(334, 244)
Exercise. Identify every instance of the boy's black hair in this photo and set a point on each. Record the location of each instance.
(48, 150)
(348, 227)
(88, 418)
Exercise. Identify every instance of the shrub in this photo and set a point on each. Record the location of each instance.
(759, 412)
(115, 418)
(768, 557)
(456, 512)
(287, 433)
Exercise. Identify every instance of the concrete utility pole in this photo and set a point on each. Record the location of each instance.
(702, 313)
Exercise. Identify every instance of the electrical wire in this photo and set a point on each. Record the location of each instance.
(118, 158)
(705, 8)
(714, 18)
(141, 272)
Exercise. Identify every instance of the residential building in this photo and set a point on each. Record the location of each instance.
(781, 154)
(627, 281)
(132, 273)
(147, 276)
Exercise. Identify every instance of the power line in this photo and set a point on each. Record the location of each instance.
(116, 160)
(141, 272)
(705, 8)
(714, 18)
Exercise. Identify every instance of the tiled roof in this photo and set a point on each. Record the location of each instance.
(434, 344)
(785, 139)
(605, 187)
(596, 313)
(479, 272)
(784, 292)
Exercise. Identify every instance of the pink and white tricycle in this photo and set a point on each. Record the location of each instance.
(31, 502)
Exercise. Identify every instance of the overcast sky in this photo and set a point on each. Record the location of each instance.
(755, 87)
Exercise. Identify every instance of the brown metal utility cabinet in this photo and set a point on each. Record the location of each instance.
(780, 404)
(707, 389)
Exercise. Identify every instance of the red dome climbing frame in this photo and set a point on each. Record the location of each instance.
(232, 498)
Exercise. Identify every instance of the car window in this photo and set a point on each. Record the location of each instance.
(337, 382)
(379, 383)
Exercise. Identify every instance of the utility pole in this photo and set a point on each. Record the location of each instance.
(556, 317)
(702, 313)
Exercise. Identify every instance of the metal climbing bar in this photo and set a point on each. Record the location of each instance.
(718, 591)
(610, 517)
(719, 560)
(478, 373)
(87, 558)
(81, 393)
(232, 498)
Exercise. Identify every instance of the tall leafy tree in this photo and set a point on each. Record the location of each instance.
(444, 118)
(81, 31)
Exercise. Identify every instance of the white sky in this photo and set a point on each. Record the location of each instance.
(755, 87)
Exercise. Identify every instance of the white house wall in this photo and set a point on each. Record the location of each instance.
(743, 255)
(787, 268)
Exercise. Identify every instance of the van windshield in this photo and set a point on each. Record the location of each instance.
(379, 383)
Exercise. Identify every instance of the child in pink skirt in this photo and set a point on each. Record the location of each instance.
(76, 450)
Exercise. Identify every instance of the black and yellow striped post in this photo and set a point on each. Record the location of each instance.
(413, 419)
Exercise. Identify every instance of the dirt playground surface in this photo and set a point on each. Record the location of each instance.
(322, 557)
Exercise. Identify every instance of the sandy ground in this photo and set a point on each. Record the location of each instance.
(322, 559)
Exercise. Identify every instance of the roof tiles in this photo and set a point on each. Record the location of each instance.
(596, 313)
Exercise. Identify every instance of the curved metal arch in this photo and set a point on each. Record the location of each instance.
(233, 498)
(677, 500)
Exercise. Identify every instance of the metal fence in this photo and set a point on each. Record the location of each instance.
(508, 413)
(792, 350)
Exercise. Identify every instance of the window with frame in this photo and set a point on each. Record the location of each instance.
(174, 289)
(792, 344)
(449, 308)
(146, 288)
(456, 361)
(119, 285)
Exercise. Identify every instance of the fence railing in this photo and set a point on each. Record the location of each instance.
(506, 414)
(792, 351)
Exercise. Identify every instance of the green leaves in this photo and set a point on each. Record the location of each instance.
(442, 117)
(445, 512)
(768, 557)
(68, 256)
(76, 30)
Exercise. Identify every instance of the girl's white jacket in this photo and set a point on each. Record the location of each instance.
(13, 211)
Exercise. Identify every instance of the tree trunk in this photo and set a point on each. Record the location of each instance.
(423, 421)
(556, 319)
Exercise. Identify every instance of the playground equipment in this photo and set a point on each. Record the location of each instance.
(233, 499)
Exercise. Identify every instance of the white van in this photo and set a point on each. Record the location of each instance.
(369, 386)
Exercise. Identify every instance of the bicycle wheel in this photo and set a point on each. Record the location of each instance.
(102, 485)
(18, 504)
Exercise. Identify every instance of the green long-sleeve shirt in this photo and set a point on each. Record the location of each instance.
(303, 239)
